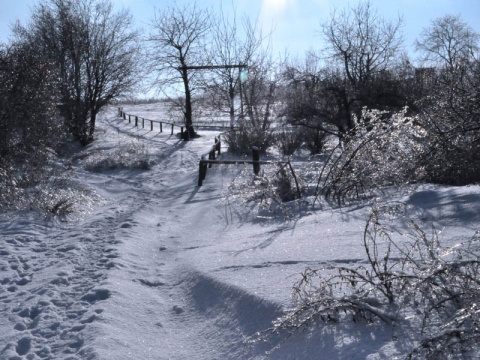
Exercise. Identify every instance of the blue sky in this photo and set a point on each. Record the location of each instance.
(295, 22)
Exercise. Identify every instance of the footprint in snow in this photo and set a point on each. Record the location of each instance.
(97, 295)
(151, 283)
(23, 346)
(23, 281)
(178, 309)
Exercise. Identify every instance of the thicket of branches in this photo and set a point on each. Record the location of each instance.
(407, 277)
(394, 123)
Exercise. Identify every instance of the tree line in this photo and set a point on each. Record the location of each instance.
(75, 57)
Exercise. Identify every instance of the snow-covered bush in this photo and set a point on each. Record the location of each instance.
(289, 140)
(130, 156)
(383, 150)
(314, 140)
(241, 140)
(31, 130)
(7, 188)
(269, 190)
(53, 193)
(60, 196)
(409, 280)
(453, 123)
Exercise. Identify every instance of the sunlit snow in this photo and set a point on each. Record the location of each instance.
(159, 268)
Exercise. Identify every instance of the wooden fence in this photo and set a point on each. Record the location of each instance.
(141, 121)
(205, 163)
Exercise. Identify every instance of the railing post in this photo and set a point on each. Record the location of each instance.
(151, 125)
(256, 159)
(218, 145)
(161, 130)
(125, 117)
(202, 172)
(211, 156)
(143, 123)
(172, 130)
(136, 120)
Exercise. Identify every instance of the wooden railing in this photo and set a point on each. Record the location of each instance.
(205, 163)
(140, 120)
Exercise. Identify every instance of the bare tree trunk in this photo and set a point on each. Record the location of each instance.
(188, 103)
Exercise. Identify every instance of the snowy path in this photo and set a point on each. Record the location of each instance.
(180, 304)
(121, 280)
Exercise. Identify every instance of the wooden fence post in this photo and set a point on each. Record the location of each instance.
(218, 145)
(256, 159)
(136, 120)
(151, 125)
(211, 156)
(161, 130)
(202, 172)
(125, 117)
(143, 123)
(172, 130)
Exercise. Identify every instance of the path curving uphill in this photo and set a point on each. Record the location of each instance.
(120, 283)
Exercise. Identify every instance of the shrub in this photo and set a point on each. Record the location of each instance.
(453, 157)
(130, 156)
(289, 140)
(383, 150)
(269, 190)
(314, 140)
(52, 193)
(241, 140)
(435, 288)
(60, 196)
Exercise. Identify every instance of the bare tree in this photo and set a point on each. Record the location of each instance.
(364, 45)
(259, 92)
(94, 50)
(449, 41)
(230, 48)
(362, 41)
(316, 97)
(178, 41)
(451, 112)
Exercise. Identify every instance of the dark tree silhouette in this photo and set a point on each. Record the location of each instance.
(178, 41)
(94, 51)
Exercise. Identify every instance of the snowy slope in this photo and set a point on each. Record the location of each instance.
(162, 269)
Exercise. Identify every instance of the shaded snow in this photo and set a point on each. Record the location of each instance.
(163, 269)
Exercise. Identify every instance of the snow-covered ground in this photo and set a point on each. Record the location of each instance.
(159, 268)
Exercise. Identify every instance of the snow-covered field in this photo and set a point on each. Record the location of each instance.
(159, 268)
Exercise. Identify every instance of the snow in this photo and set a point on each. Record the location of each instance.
(159, 268)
